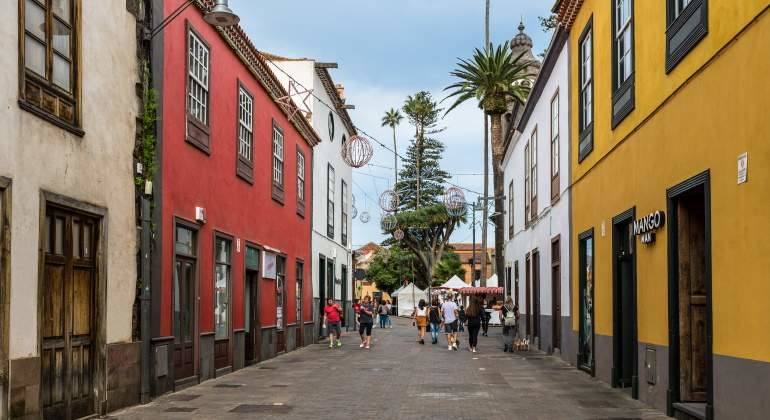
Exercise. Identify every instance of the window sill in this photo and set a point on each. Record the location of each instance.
(586, 144)
(277, 194)
(623, 101)
(51, 119)
(197, 135)
(301, 209)
(244, 172)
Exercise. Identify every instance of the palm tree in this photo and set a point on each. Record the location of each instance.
(495, 78)
(391, 119)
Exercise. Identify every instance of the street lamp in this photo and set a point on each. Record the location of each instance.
(220, 15)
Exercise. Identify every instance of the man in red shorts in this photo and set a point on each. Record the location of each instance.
(332, 320)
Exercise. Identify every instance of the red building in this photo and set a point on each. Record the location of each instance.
(231, 276)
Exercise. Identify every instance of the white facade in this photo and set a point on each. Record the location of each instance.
(42, 163)
(328, 245)
(551, 220)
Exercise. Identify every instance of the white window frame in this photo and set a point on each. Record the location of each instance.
(555, 135)
(623, 37)
(300, 176)
(331, 181)
(679, 8)
(245, 125)
(586, 80)
(277, 156)
(533, 164)
(198, 78)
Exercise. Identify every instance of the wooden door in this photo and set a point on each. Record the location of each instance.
(691, 225)
(280, 299)
(528, 287)
(625, 310)
(298, 306)
(535, 294)
(184, 314)
(252, 325)
(68, 314)
(556, 293)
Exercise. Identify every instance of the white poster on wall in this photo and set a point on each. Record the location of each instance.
(268, 264)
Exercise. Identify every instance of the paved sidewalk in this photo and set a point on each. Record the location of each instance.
(400, 379)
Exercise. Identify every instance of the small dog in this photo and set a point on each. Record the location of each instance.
(521, 344)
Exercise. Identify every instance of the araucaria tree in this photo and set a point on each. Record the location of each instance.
(421, 178)
(495, 78)
(422, 216)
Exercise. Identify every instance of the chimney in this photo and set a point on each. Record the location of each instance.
(340, 91)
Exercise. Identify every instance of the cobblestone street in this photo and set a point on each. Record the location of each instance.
(400, 379)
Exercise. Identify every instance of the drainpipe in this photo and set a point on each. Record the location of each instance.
(144, 299)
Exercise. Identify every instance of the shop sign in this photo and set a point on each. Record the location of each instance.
(645, 227)
(269, 261)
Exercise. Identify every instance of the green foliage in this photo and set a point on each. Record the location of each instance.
(421, 164)
(450, 265)
(494, 77)
(390, 266)
(392, 118)
(548, 23)
(148, 143)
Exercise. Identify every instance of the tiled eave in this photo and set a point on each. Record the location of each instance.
(566, 11)
(339, 105)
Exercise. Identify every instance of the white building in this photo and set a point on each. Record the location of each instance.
(332, 178)
(68, 233)
(536, 166)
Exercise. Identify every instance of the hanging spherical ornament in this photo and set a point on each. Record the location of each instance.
(357, 151)
(398, 234)
(389, 200)
(353, 212)
(454, 201)
(388, 222)
(364, 217)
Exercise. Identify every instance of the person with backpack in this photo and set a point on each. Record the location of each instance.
(434, 318)
(510, 318)
(486, 315)
(463, 319)
(382, 311)
(421, 320)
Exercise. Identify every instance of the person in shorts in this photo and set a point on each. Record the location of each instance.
(366, 320)
(332, 321)
(450, 312)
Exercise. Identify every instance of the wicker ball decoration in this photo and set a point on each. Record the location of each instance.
(398, 234)
(353, 212)
(454, 201)
(388, 222)
(364, 217)
(357, 151)
(389, 200)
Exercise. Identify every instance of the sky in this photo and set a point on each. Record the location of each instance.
(387, 50)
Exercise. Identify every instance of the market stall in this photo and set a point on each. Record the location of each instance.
(407, 298)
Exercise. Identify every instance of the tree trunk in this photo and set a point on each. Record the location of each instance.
(498, 149)
(485, 208)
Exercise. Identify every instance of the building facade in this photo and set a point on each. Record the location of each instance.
(536, 171)
(233, 205)
(332, 192)
(67, 219)
(668, 107)
(473, 271)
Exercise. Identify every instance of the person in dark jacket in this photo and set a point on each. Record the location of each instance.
(474, 315)
(486, 315)
(434, 318)
(463, 319)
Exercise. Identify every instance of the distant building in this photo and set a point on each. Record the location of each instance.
(465, 252)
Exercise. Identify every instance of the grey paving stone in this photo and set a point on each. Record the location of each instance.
(400, 379)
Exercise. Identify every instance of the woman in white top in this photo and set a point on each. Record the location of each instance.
(420, 317)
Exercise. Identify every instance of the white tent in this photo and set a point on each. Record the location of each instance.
(492, 281)
(454, 283)
(408, 298)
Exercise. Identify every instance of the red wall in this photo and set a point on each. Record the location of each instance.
(191, 178)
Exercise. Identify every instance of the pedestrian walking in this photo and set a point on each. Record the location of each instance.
(420, 316)
(474, 315)
(462, 318)
(382, 311)
(486, 316)
(332, 320)
(434, 318)
(366, 321)
(510, 317)
(449, 312)
(390, 314)
(356, 308)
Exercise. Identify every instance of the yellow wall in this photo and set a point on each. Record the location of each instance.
(721, 111)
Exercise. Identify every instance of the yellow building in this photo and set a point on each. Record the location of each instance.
(670, 103)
